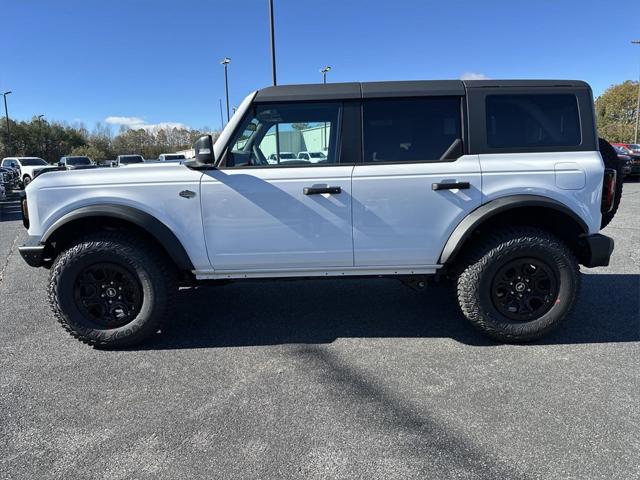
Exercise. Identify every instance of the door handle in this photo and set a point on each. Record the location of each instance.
(319, 190)
(450, 186)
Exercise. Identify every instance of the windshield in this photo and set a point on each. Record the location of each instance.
(32, 162)
(317, 155)
(126, 159)
(174, 157)
(634, 146)
(79, 161)
(286, 155)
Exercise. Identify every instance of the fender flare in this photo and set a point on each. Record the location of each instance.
(147, 222)
(493, 208)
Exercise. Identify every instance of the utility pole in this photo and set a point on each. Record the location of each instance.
(635, 138)
(6, 114)
(273, 43)
(226, 61)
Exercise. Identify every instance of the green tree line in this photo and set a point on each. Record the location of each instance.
(52, 140)
(616, 111)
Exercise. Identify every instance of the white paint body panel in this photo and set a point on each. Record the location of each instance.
(549, 175)
(398, 219)
(151, 188)
(259, 218)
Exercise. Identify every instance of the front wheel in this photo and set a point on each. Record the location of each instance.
(26, 181)
(518, 284)
(110, 290)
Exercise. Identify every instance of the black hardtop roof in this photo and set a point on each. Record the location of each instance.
(405, 88)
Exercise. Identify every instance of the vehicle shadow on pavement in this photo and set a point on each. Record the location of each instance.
(321, 311)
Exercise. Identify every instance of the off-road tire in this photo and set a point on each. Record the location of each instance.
(154, 272)
(611, 160)
(483, 262)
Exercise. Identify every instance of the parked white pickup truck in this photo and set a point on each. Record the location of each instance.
(498, 186)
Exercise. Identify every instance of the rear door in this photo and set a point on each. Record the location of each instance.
(282, 214)
(415, 183)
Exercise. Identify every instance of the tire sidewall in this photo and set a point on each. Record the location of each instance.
(565, 278)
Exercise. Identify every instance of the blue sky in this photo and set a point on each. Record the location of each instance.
(158, 61)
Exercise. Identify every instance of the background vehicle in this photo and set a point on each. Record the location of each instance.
(129, 159)
(76, 162)
(163, 157)
(11, 178)
(632, 159)
(625, 160)
(313, 157)
(273, 158)
(506, 208)
(630, 147)
(28, 167)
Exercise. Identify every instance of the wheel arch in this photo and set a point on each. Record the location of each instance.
(96, 217)
(525, 210)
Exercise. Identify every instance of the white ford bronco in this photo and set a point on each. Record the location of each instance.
(499, 186)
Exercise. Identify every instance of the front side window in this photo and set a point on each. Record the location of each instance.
(412, 129)
(276, 134)
(544, 120)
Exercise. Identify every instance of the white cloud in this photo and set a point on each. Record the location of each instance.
(137, 123)
(473, 76)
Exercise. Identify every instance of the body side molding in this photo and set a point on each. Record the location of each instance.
(147, 222)
(494, 207)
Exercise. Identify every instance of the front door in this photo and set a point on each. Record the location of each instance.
(415, 184)
(270, 208)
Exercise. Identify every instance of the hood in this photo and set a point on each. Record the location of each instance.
(131, 174)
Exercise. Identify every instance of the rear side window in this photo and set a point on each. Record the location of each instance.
(516, 121)
(412, 129)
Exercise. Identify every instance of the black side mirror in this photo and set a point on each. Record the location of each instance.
(204, 150)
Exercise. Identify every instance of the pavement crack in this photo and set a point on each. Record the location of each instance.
(6, 260)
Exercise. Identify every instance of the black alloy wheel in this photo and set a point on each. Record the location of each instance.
(108, 294)
(524, 289)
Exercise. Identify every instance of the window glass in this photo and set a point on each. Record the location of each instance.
(411, 129)
(549, 120)
(275, 134)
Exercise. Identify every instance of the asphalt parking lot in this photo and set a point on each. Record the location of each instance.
(324, 379)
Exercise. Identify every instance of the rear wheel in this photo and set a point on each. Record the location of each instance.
(110, 290)
(518, 284)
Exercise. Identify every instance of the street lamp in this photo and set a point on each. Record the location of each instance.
(226, 61)
(324, 72)
(40, 132)
(6, 114)
(635, 140)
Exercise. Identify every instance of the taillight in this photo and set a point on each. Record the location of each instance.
(25, 213)
(608, 190)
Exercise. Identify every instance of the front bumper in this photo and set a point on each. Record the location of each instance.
(595, 250)
(32, 252)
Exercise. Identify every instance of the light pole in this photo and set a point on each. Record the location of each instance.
(221, 117)
(226, 61)
(40, 131)
(635, 139)
(324, 72)
(6, 114)
(273, 43)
